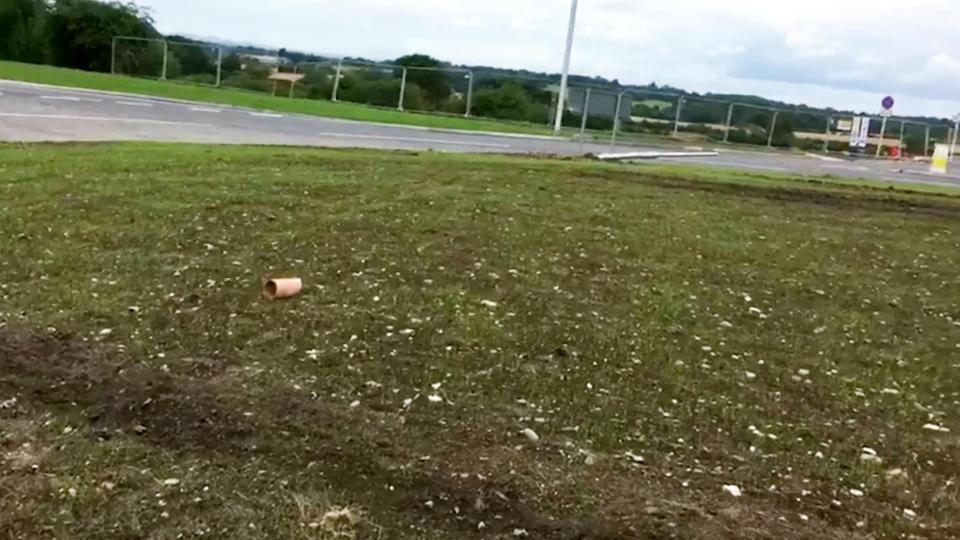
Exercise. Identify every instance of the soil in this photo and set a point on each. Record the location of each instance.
(197, 410)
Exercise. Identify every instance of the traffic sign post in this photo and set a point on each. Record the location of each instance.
(887, 104)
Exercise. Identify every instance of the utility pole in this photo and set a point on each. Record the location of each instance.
(561, 102)
(166, 53)
(773, 128)
(726, 132)
(403, 89)
(469, 94)
(676, 120)
(219, 65)
(616, 121)
(336, 81)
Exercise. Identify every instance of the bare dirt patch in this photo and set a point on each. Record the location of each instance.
(183, 413)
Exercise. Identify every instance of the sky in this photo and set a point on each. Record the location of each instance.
(846, 54)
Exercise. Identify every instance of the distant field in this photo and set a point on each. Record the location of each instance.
(486, 348)
(655, 103)
(193, 92)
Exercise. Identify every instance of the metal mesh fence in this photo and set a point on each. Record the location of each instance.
(138, 57)
(438, 90)
(514, 97)
(193, 62)
(370, 84)
(601, 111)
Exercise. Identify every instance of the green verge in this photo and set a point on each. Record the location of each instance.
(192, 92)
(486, 347)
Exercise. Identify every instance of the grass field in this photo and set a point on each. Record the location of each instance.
(193, 92)
(486, 347)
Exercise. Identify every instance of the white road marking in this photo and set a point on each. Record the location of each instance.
(748, 166)
(135, 103)
(822, 158)
(412, 139)
(71, 98)
(99, 119)
(266, 115)
(204, 109)
(847, 167)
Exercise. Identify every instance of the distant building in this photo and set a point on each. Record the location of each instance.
(265, 59)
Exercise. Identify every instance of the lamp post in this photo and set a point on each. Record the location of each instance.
(561, 101)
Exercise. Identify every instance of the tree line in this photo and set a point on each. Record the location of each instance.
(68, 33)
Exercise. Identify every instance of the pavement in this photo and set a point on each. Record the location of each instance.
(35, 113)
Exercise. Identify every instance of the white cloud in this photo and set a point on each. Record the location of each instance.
(940, 67)
(822, 49)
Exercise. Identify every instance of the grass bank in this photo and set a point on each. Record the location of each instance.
(192, 92)
(486, 347)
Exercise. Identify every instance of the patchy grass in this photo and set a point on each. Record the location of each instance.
(239, 98)
(727, 175)
(486, 347)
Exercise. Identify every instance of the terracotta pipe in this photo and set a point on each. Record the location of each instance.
(275, 289)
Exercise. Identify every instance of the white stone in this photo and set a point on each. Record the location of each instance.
(531, 435)
(733, 491)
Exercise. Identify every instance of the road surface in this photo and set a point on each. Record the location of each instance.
(43, 113)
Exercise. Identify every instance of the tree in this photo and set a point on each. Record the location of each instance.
(21, 23)
(434, 82)
(193, 56)
(231, 63)
(79, 33)
(509, 102)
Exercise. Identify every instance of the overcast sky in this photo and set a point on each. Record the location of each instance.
(840, 53)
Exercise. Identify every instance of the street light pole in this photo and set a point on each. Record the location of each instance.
(561, 101)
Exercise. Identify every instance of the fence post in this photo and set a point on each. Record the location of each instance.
(953, 144)
(219, 66)
(900, 143)
(166, 52)
(584, 114)
(726, 133)
(773, 128)
(950, 138)
(469, 93)
(336, 80)
(676, 121)
(113, 56)
(883, 132)
(616, 122)
(403, 89)
(826, 140)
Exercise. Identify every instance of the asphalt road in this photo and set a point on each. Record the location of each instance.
(32, 113)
